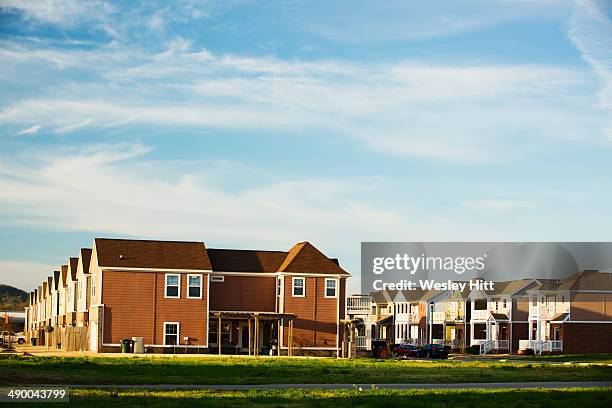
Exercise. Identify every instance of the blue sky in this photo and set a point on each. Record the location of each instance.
(257, 125)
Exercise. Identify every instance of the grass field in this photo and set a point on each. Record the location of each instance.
(599, 397)
(100, 370)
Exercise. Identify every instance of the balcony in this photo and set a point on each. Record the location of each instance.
(454, 316)
(480, 315)
(358, 304)
(438, 317)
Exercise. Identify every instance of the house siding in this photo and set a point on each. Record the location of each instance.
(316, 322)
(244, 293)
(520, 309)
(591, 306)
(134, 305)
(584, 338)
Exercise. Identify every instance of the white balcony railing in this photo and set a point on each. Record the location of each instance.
(362, 343)
(540, 346)
(480, 315)
(438, 317)
(502, 345)
(358, 304)
(487, 346)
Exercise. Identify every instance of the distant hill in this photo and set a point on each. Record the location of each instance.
(12, 298)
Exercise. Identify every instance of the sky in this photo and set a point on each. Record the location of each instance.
(257, 125)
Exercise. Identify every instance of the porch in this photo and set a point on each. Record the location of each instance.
(251, 333)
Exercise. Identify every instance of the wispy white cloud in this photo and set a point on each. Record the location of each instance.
(114, 189)
(591, 31)
(61, 12)
(24, 274)
(465, 113)
(28, 131)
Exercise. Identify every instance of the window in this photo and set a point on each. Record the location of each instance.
(171, 334)
(298, 287)
(217, 278)
(562, 299)
(213, 333)
(534, 301)
(173, 286)
(330, 287)
(194, 289)
(279, 286)
(505, 303)
(93, 288)
(480, 304)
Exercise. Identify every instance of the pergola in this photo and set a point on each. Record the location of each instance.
(348, 337)
(254, 319)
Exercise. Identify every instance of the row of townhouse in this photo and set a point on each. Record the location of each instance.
(571, 315)
(183, 296)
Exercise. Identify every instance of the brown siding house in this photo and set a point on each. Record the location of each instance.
(182, 296)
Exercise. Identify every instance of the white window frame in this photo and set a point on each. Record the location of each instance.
(189, 286)
(303, 278)
(166, 286)
(335, 287)
(178, 333)
(217, 278)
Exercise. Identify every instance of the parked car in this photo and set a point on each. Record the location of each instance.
(380, 349)
(18, 338)
(405, 350)
(433, 351)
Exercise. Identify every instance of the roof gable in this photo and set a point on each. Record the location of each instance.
(305, 258)
(72, 269)
(64, 275)
(146, 254)
(84, 260)
(56, 276)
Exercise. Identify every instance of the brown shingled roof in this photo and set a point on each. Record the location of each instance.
(131, 253)
(238, 260)
(56, 276)
(305, 258)
(73, 263)
(64, 269)
(86, 259)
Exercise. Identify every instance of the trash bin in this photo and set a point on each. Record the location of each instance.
(138, 345)
(33, 341)
(126, 345)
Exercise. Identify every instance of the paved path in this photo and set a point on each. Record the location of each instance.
(454, 386)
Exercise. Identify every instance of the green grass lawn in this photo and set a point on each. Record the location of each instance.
(598, 397)
(586, 358)
(105, 370)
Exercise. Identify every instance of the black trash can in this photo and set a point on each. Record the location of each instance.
(126, 345)
(33, 341)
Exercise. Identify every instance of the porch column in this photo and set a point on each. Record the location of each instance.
(219, 334)
(256, 344)
(290, 350)
(250, 337)
(278, 337)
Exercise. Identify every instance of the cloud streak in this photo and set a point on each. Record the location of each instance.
(471, 113)
(591, 32)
